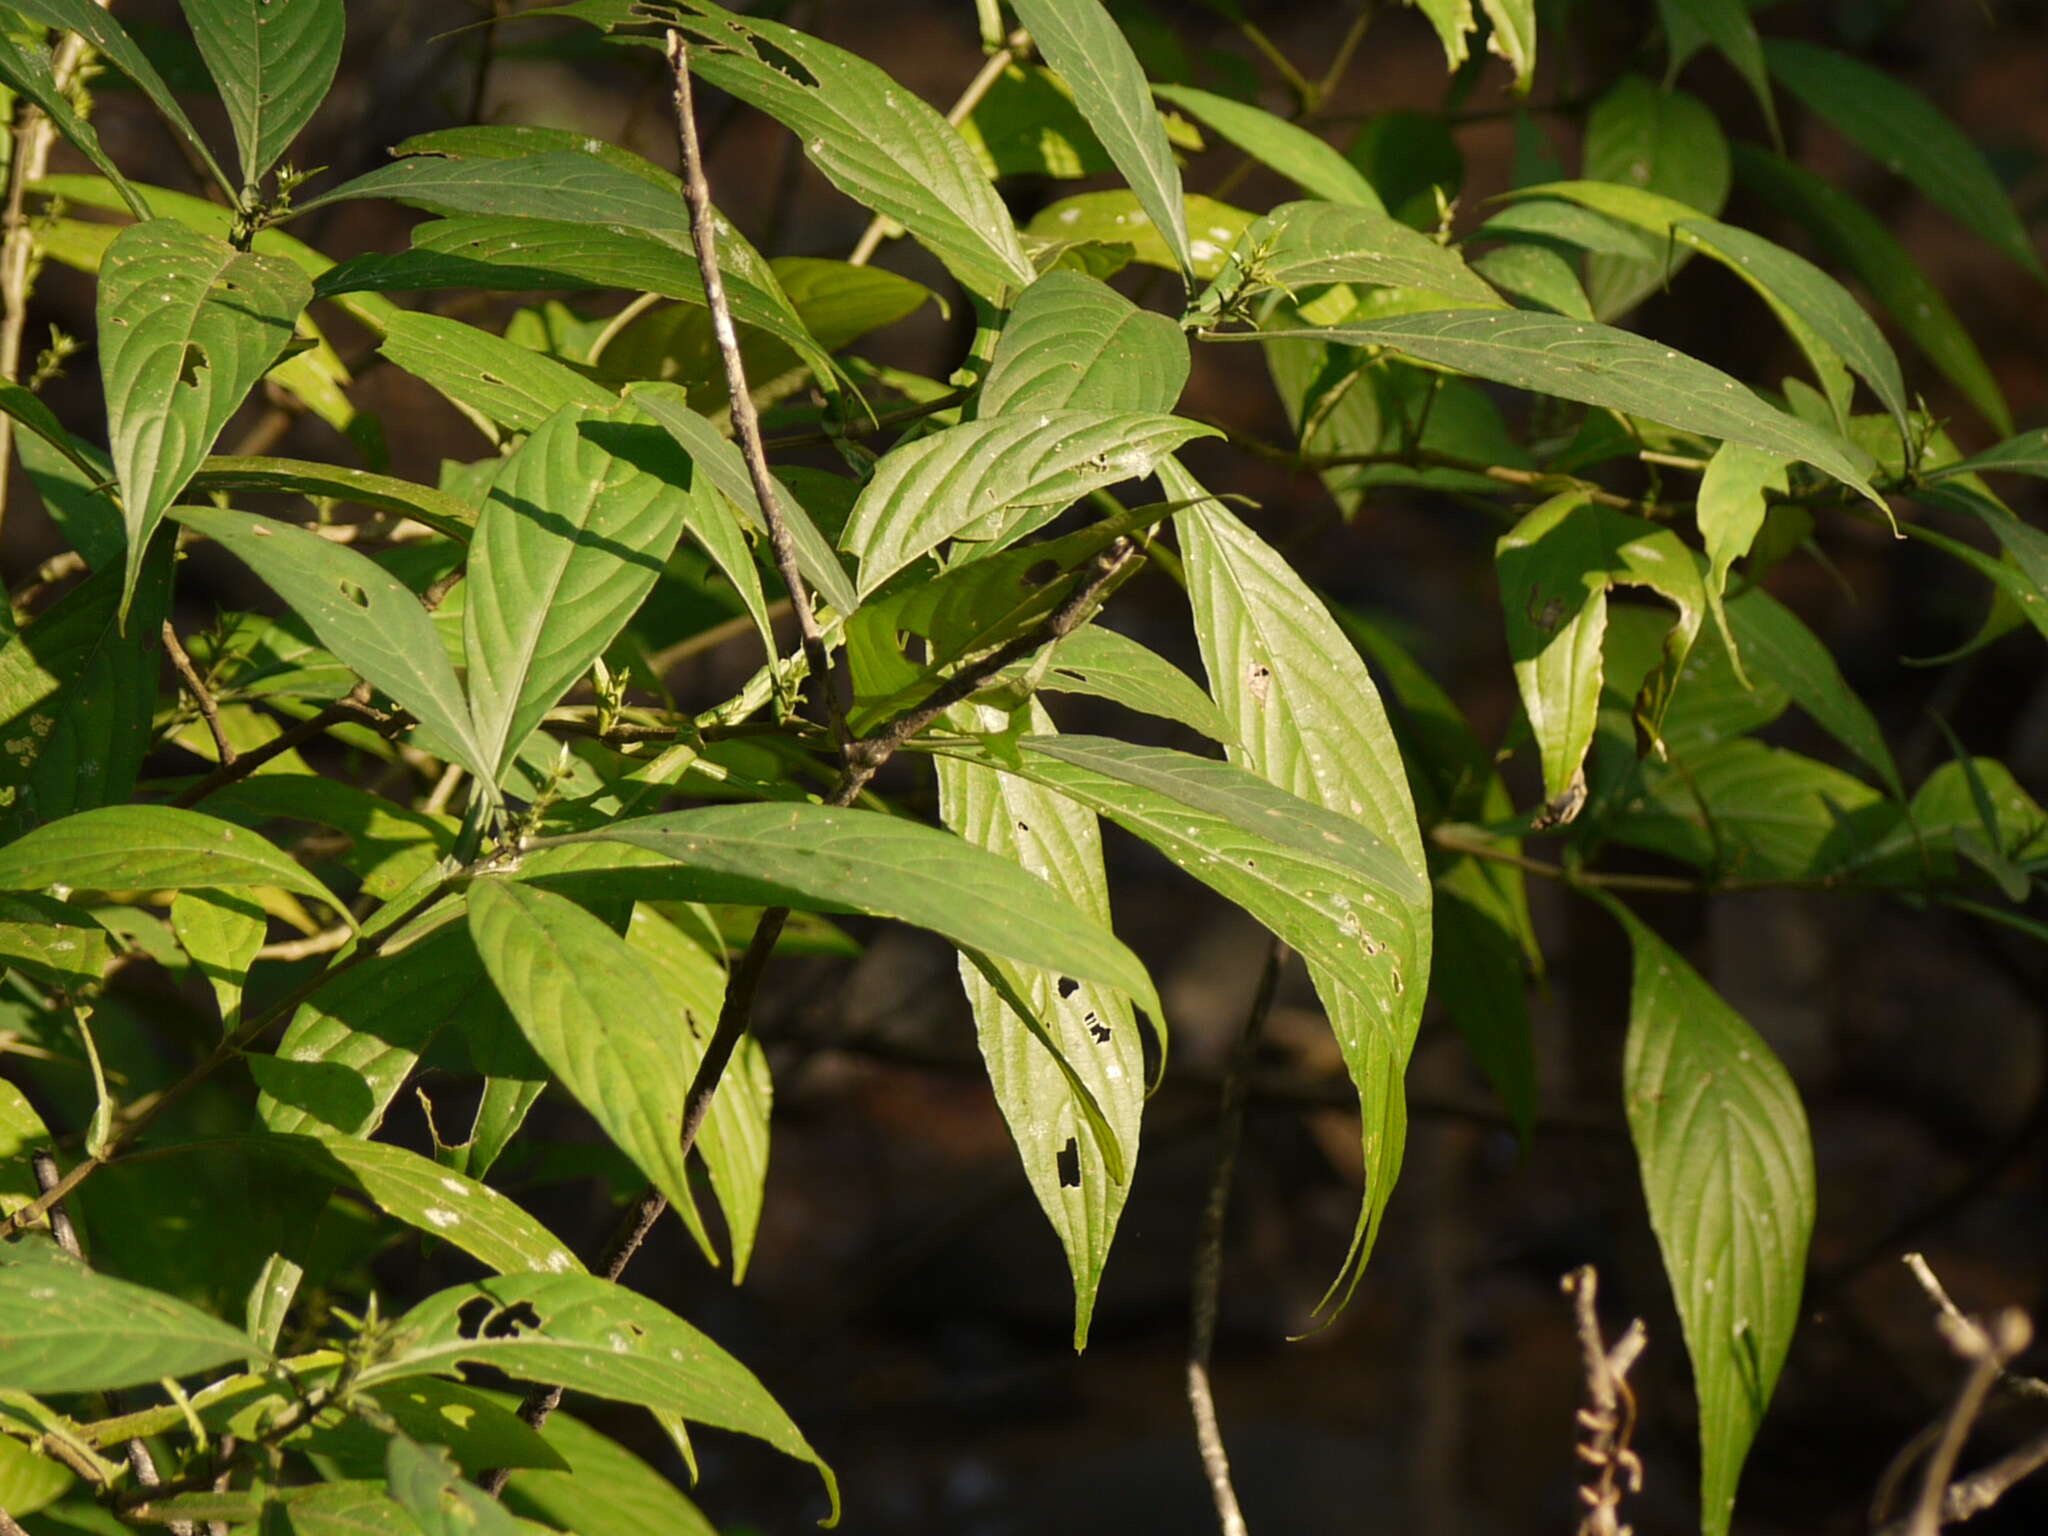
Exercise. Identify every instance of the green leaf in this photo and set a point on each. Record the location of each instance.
(109, 39)
(721, 462)
(1454, 25)
(1908, 135)
(445, 514)
(1811, 303)
(1555, 567)
(872, 138)
(1072, 343)
(221, 931)
(606, 1490)
(29, 1481)
(1300, 245)
(64, 1328)
(811, 856)
(590, 1335)
(1479, 974)
(1101, 662)
(1792, 656)
(1513, 37)
(52, 942)
(358, 610)
(425, 1483)
(734, 1137)
(1072, 1029)
(1851, 237)
(1657, 141)
(512, 386)
(350, 1047)
(1728, 26)
(581, 519)
(27, 72)
(1305, 716)
(1115, 219)
(2026, 454)
(1727, 1166)
(1309, 162)
(1080, 41)
(151, 847)
(1599, 365)
(187, 326)
(995, 481)
(1730, 511)
(1538, 273)
(272, 63)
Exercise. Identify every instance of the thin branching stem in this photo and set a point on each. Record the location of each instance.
(201, 696)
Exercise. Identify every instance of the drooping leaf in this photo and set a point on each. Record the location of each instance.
(1602, 366)
(590, 1335)
(826, 860)
(1478, 971)
(1513, 37)
(605, 1491)
(872, 138)
(1730, 512)
(580, 521)
(1908, 135)
(360, 612)
(272, 64)
(1727, 1167)
(64, 1328)
(111, 41)
(1101, 662)
(1072, 343)
(151, 847)
(1853, 238)
(1311, 163)
(509, 385)
(994, 481)
(1454, 23)
(1085, 1030)
(597, 1015)
(1087, 49)
(187, 325)
(221, 931)
(26, 71)
(1729, 28)
(1793, 657)
(1659, 141)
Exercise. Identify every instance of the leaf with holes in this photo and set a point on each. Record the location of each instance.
(1086, 49)
(187, 325)
(580, 521)
(995, 481)
(271, 61)
(362, 613)
(1727, 1167)
(1073, 1029)
(590, 1335)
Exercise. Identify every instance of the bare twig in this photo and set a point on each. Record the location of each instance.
(201, 695)
(34, 137)
(9, 1526)
(746, 422)
(1952, 1319)
(1208, 1269)
(1609, 1417)
(47, 1180)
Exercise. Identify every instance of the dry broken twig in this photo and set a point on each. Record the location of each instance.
(1609, 1419)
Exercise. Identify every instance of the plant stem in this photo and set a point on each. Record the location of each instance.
(202, 696)
(1208, 1267)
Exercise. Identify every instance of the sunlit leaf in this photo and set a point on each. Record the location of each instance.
(1311, 163)
(272, 64)
(1072, 343)
(1659, 141)
(151, 847)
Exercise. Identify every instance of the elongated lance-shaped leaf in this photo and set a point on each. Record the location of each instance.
(512, 387)
(1600, 365)
(1311, 163)
(360, 612)
(1300, 245)
(1555, 567)
(110, 39)
(1786, 281)
(1088, 51)
(719, 458)
(995, 481)
(1307, 718)
(445, 514)
(605, 1491)
(27, 72)
(64, 1328)
(1849, 235)
(1690, 25)
(187, 325)
(590, 1335)
(1783, 649)
(2026, 454)
(872, 138)
(151, 847)
(825, 860)
(1908, 135)
(598, 1015)
(1073, 343)
(580, 521)
(271, 61)
(1090, 1027)
(1659, 141)
(1727, 1165)
(1107, 665)
(429, 1488)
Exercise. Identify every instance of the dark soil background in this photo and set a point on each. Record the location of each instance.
(909, 1305)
